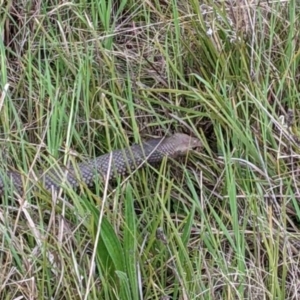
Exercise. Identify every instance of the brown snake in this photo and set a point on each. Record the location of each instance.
(122, 161)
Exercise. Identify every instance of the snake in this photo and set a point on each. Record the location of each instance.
(107, 166)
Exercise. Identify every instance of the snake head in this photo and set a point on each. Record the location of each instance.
(182, 144)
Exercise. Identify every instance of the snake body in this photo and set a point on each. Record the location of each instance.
(107, 166)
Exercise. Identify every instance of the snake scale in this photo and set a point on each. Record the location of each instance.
(108, 166)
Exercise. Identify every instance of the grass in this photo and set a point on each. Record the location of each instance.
(81, 78)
